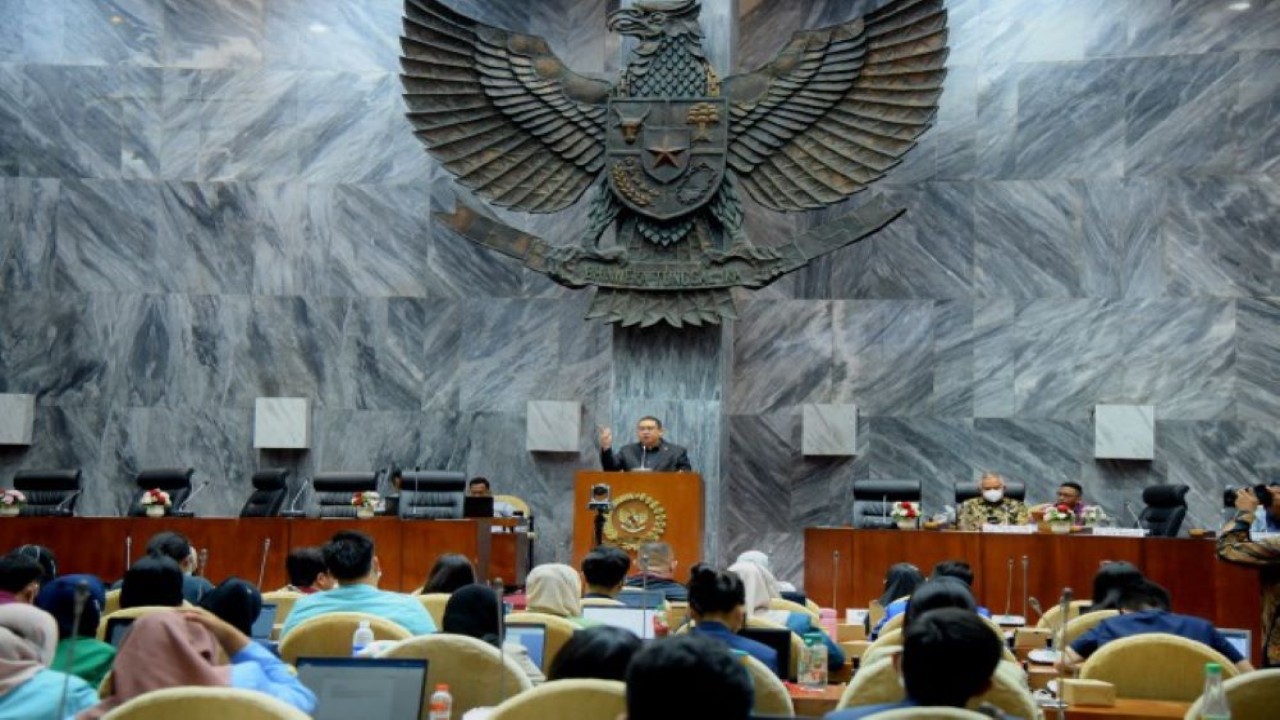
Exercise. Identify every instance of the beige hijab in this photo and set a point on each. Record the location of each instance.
(555, 589)
(28, 639)
(761, 587)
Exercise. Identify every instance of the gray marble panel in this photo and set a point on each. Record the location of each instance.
(228, 33)
(1046, 31)
(179, 350)
(1068, 358)
(884, 356)
(106, 33)
(427, 334)
(954, 347)
(828, 429)
(508, 353)
(1257, 392)
(17, 418)
(77, 329)
(460, 265)
(291, 239)
(553, 426)
(782, 356)
(994, 356)
(936, 453)
(1216, 234)
(757, 478)
(956, 129)
(1256, 112)
(104, 230)
(28, 209)
(1084, 104)
(1124, 432)
(70, 129)
(350, 36)
(371, 439)
(288, 350)
(1212, 456)
(205, 233)
(282, 423)
(664, 363)
(1027, 239)
(1123, 247)
(379, 364)
(1180, 355)
(379, 242)
(1178, 114)
(66, 437)
(12, 136)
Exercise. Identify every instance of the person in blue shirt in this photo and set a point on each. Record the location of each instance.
(29, 690)
(1144, 608)
(718, 604)
(948, 657)
(761, 588)
(352, 563)
(958, 569)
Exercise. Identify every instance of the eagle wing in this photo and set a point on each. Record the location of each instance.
(838, 106)
(500, 111)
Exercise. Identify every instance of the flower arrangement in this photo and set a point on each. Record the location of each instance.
(1059, 514)
(905, 510)
(13, 498)
(1093, 515)
(156, 497)
(366, 499)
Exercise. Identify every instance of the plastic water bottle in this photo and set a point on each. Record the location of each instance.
(441, 703)
(1213, 702)
(814, 673)
(361, 638)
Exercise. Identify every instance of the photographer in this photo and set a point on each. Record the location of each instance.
(1236, 546)
(1267, 517)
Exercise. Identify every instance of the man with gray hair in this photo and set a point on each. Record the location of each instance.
(657, 564)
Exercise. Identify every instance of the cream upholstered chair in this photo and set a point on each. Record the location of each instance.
(602, 602)
(1083, 624)
(787, 605)
(518, 504)
(434, 604)
(112, 604)
(813, 607)
(283, 600)
(1252, 696)
(893, 639)
(797, 644)
(468, 666)
(579, 699)
(1050, 619)
(329, 635)
(878, 683)
(771, 696)
(929, 713)
(205, 703)
(894, 623)
(559, 630)
(1128, 662)
(132, 613)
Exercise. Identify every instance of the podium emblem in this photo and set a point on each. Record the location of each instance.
(637, 518)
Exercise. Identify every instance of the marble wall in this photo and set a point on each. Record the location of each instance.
(202, 203)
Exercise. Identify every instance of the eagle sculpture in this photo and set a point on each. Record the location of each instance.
(669, 146)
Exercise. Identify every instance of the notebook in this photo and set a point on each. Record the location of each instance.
(1241, 640)
(265, 623)
(637, 620)
(641, 598)
(777, 638)
(533, 637)
(384, 688)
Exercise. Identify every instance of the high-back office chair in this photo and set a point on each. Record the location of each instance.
(269, 489)
(1013, 489)
(873, 501)
(333, 491)
(1166, 507)
(50, 493)
(175, 481)
(432, 494)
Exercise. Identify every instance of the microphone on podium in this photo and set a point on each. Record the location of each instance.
(293, 511)
(181, 510)
(128, 551)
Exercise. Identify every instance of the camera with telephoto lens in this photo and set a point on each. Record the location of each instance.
(600, 499)
(1261, 491)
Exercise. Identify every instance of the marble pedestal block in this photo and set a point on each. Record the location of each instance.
(552, 426)
(17, 417)
(829, 430)
(1124, 432)
(282, 423)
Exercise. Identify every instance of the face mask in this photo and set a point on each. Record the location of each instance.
(992, 495)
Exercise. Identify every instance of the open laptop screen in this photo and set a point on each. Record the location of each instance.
(383, 688)
(1241, 640)
(117, 629)
(477, 506)
(639, 621)
(777, 638)
(265, 623)
(533, 637)
(641, 598)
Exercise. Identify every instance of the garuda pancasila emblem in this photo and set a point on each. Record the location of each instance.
(669, 145)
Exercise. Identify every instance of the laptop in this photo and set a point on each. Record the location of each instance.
(265, 623)
(117, 630)
(641, 598)
(639, 621)
(1241, 640)
(384, 688)
(778, 639)
(532, 637)
(477, 506)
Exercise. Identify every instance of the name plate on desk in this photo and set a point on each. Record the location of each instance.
(1119, 532)
(1009, 529)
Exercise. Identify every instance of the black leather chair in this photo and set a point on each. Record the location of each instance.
(269, 489)
(50, 493)
(873, 501)
(175, 481)
(1013, 490)
(1166, 507)
(333, 491)
(432, 494)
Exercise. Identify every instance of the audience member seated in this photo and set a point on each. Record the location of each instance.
(688, 677)
(165, 650)
(957, 569)
(762, 560)
(602, 652)
(718, 604)
(307, 573)
(237, 602)
(480, 487)
(176, 547)
(555, 589)
(1110, 582)
(475, 611)
(450, 572)
(605, 569)
(155, 580)
(29, 690)
(938, 593)
(43, 555)
(352, 563)
(20, 578)
(992, 508)
(1144, 608)
(84, 656)
(761, 588)
(657, 564)
(900, 581)
(948, 656)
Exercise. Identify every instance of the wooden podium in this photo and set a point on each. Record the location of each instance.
(639, 500)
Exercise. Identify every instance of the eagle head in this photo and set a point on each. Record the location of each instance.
(652, 20)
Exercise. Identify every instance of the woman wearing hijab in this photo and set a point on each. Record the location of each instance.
(84, 656)
(761, 587)
(175, 649)
(29, 690)
(556, 589)
(761, 559)
(236, 601)
(473, 611)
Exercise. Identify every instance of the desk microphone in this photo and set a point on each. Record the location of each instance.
(82, 594)
(62, 506)
(293, 511)
(128, 551)
(1035, 605)
(1060, 646)
(835, 577)
(1026, 563)
(262, 569)
(181, 511)
(1008, 589)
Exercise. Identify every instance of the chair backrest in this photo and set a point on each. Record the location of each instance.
(329, 635)
(968, 490)
(432, 494)
(477, 673)
(434, 604)
(780, 604)
(284, 601)
(771, 696)
(580, 699)
(928, 713)
(1252, 696)
(1127, 663)
(333, 491)
(515, 502)
(113, 602)
(1166, 506)
(1052, 618)
(874, 499)
(559, 631)
(49, 492)
(175, 481)
(132, 613)
(205, 703)
(894, 623)
(797, 644)
(1083, 624)
(269, 489)
(877, 682)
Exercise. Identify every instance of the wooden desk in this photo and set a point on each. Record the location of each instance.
(812, 703)
(1128, 709)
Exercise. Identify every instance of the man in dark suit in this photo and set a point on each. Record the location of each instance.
(650, 453)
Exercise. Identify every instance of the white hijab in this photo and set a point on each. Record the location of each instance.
(554, 589)
(761, 559)
(28, 639)
(761, 587)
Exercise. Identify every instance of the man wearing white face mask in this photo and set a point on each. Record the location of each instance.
(993, 508)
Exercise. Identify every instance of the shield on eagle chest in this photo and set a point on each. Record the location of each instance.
(666, 156)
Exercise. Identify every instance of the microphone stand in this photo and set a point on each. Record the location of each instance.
(1060, 643)
(293, 511)
(1026, 563)
(262, 569)
(128, 551)
(835, 577)
(181, 510)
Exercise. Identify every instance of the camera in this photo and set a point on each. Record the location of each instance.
(600, 499)
(1261, 491)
